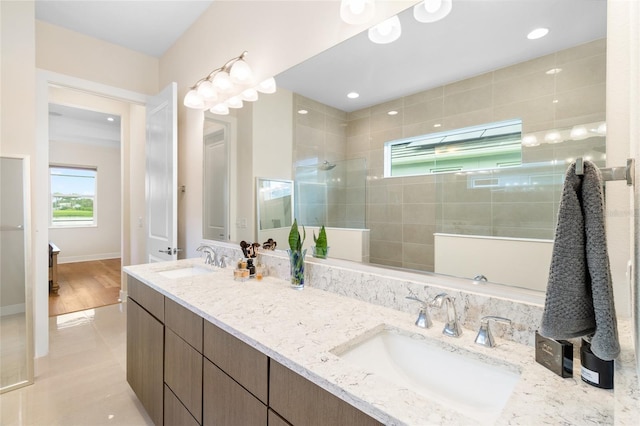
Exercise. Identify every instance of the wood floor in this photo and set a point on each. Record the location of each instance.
(86, 285)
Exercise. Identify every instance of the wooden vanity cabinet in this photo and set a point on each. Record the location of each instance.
(301, 402)
(183, 357)
(235, 380)
(145, 347)
(174, 412)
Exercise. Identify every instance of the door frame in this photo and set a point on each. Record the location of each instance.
(40, 185)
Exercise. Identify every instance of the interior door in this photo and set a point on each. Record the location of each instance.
(161, 175)
(216, 196)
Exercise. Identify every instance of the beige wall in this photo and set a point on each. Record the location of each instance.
(70, 53)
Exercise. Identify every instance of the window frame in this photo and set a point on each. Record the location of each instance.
(80, 224)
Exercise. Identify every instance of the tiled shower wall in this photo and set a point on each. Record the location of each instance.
(403, 213)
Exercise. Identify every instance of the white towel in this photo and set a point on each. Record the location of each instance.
(579, 298)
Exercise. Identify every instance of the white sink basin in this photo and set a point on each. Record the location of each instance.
(189, 271)
(477, 386)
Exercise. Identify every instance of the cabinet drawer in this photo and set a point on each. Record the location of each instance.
(244, 364)
(174, 412)
(275, 420)
(184, 323)
(146, 297)
(302, 402)
(145, 343)
(183, 372)
(227, 403)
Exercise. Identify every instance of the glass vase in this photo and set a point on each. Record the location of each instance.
(296, 265)
(320, 252)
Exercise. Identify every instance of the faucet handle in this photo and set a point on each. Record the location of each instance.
(223, 261)
(424, 320)
(485, 337)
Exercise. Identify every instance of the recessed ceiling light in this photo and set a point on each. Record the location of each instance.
(437, 125)
(538, 33)
(555, 101)
(109, 118)
(393, 112)
(554, 71)
(353, 95)
(303, 111)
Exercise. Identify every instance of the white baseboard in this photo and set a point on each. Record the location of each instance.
(87, 258)
(12, 309)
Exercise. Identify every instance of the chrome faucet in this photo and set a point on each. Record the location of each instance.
(211, 257)
(452, 327)
(484, 337)
(424, 320)
(223, 261)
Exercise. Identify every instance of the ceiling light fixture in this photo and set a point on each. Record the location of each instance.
(386, 32)
(353, 95)
(110, 119)
(227, 87)
(393, 112)
(538, 33)
(432, 10)
(357, 12)
(553, 71)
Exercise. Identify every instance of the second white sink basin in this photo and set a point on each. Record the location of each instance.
(463, 380)
(188, 271)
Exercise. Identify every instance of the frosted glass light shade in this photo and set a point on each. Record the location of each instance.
(206, 90)
(193, 100)
(267, 86)
(431, 10)
(241, 73)
(357, 12)
(220, 109)
(222, 82)
(234, 102)
(250, 95)
(386, 32)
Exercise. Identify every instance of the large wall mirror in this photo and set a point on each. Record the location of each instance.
(476, 66)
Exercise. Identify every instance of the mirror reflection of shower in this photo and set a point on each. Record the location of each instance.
(331, 193)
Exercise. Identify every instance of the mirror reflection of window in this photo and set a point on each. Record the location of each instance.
(274, 203)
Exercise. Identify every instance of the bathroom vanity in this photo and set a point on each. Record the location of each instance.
(205, 349)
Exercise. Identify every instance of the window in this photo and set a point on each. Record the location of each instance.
(73, 196)
(488, 146)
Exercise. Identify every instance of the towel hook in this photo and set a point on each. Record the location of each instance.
(612, 173)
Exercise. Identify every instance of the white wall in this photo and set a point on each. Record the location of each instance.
(101, 241)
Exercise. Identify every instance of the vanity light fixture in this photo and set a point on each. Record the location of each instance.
(432, 10)
(227, 87)
(357, 12)
(538, 33)
(386, 32)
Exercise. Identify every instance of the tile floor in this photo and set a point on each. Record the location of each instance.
(82, 381)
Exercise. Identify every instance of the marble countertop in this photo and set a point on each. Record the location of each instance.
(303, 329)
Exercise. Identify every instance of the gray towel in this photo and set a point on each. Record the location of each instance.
(579, 298)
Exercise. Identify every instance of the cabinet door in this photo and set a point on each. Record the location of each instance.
(226, 403)
(183, 372)
(145, 350)
(145, 296)
(175, 414)
(276, 420)
(246, 365)
(303, 403)
(184, 323)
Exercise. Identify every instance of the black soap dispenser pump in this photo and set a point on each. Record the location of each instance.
(595, 371)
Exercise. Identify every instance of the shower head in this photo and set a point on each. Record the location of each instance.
(325, 166)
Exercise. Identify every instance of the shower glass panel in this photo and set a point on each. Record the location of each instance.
(332, 194)
(16, 346)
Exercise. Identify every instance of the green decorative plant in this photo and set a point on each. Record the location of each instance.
(295, 242)
(320, 249)
(296, 255)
